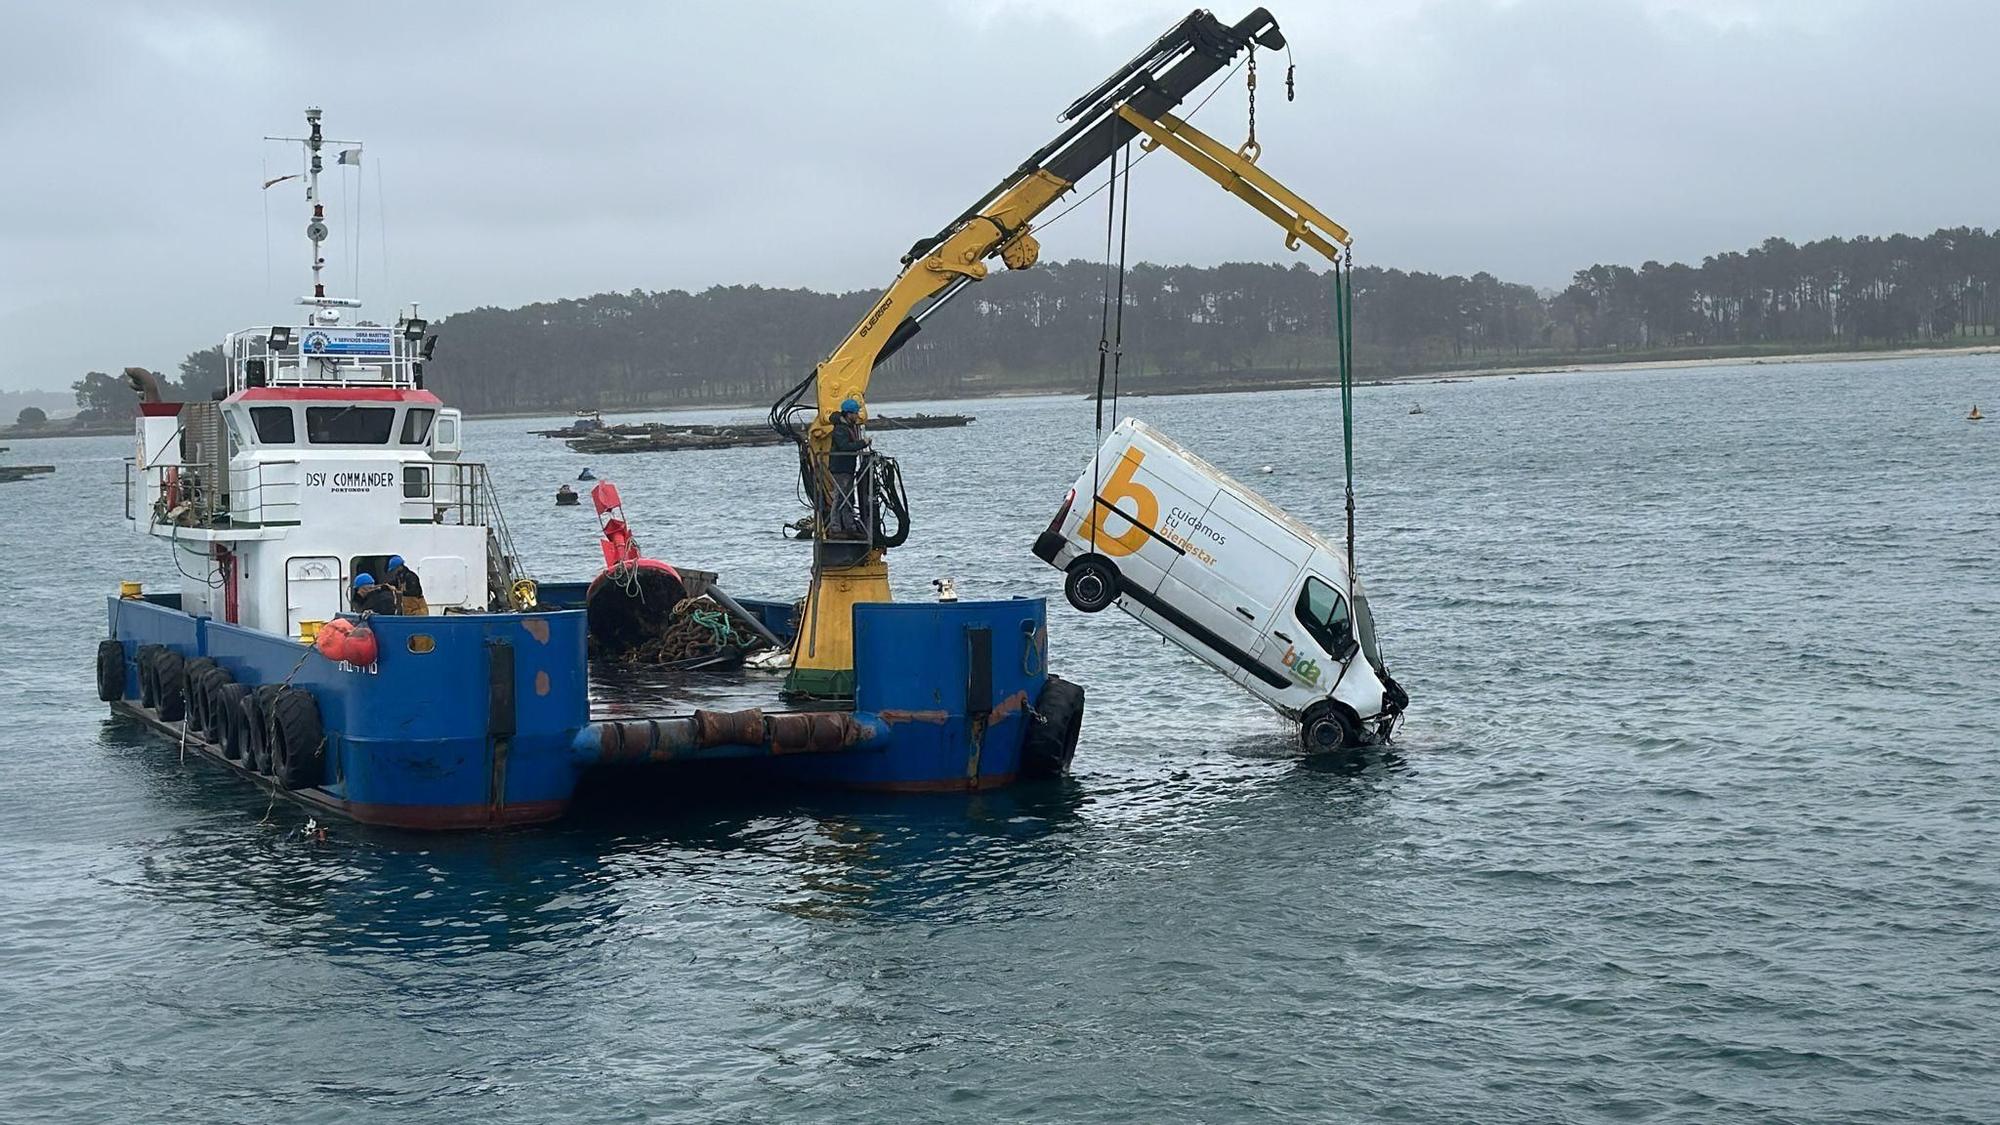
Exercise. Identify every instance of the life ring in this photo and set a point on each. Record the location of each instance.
(1053, 730)
(110, 670)
(295, 739)
(170, 487)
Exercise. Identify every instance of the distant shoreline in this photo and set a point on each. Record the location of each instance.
(55, 429)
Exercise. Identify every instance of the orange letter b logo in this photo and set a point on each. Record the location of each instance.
(1143, 513)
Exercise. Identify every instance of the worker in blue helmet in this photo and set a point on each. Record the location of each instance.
(371, 596)
(407, 585)
(850, 442)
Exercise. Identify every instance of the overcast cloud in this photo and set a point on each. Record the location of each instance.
(533, 151)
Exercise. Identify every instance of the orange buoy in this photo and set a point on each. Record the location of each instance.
(332, 640)
(361, 646)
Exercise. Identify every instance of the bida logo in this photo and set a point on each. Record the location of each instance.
(1305, 668)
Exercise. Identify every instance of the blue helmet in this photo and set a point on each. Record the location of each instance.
(395, 562)
(849, 406)
(363, 579)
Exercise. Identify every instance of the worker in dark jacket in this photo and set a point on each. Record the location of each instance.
(408, 587)
(850, 440)
(373, 597)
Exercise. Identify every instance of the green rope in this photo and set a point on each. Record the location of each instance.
(1343, 317)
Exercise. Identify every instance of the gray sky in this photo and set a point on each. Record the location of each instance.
(534, 151)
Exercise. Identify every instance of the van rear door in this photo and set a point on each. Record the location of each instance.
(1137, 487)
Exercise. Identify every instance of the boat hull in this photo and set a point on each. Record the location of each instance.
(469, 721)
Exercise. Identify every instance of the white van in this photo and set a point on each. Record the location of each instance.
(1220, 571)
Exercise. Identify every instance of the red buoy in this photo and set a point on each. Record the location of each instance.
(361, 646)
(333, 638)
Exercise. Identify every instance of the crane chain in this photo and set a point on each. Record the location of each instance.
(1251, 149)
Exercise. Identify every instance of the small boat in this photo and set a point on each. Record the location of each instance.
(1417, 409)
(566, 497)
(1975, 416)
(586, 475)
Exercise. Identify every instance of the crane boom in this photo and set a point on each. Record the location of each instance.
(1135, 102)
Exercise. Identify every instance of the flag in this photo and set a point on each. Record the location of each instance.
(268, 184)
(349, 156)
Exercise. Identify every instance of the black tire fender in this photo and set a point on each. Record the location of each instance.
(295, 739)
(1092, 584)
(110, 670)
(1053, 729)
(195, 681)
(256, 744)
(170, 685)
(149, 681)
(225, 710)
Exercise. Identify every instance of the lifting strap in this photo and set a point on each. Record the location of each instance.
(1343, 333)
(1111, 326)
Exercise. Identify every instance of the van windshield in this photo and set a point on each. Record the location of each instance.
(1364, 629)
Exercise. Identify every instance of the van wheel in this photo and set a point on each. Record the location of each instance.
(1053, 729)
(1092, 584)
(1327, 727)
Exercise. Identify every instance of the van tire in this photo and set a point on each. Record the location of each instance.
(1092, 585)
(1053, 729)
(1327, 726)
(110, 670)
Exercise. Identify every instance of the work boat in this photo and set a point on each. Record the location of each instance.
(325, 459)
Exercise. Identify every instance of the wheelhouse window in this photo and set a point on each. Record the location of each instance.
(1323, 612)
(349, 425)
(274, 425)
(416, 480)
(417, 425)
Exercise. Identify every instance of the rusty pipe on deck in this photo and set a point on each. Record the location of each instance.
(707, 735)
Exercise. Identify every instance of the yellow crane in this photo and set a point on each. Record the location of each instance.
(853, 491)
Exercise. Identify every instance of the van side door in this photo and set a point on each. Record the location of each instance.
(1308, 636)
(1238, 564)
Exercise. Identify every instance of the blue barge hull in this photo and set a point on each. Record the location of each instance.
(483, 720)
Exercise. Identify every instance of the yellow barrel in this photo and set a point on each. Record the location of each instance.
(131, 589)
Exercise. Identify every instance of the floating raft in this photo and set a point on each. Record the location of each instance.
(23, 472)
(662, 437)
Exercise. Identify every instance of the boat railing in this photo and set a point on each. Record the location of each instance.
(253, 362)
(272, 493)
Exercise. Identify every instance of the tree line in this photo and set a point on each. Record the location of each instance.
(1186, 327)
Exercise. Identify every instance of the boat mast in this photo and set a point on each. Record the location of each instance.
(316, 228)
